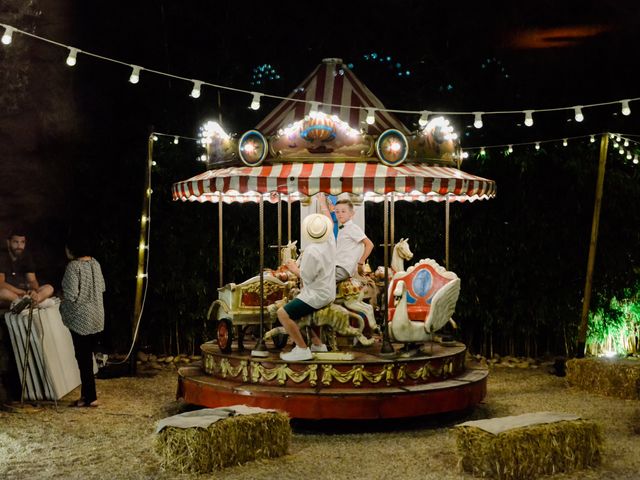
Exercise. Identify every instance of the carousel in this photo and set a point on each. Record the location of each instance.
(388, 357)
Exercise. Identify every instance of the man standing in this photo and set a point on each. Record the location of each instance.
(17, 273)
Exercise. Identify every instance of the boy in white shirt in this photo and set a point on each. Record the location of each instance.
(353, 246)
(317, 271)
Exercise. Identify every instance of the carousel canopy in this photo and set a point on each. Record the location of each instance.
(294, 181)
(331, 83)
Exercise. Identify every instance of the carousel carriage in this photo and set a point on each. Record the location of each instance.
(293, 154)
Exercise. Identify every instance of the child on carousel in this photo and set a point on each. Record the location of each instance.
(317, 272)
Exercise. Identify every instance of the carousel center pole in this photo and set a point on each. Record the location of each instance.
(279, 229)
(220, 244)
(260, 350)
(386, 349)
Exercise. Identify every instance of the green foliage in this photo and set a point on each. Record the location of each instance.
(614, 327)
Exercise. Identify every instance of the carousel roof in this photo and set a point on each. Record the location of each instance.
(293, 181)
(331, 83)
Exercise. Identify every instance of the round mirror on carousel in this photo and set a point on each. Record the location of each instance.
(253, 148)
(392, 147)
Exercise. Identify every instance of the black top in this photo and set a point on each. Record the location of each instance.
(15, 272)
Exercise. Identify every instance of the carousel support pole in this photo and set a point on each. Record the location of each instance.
(220, 244)
(584, 320)
(393, 219)
(289, 219)
(446, 232)
(260, 350)
(279, 229)
(387, 348)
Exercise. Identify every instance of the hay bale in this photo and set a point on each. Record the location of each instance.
(231, 441)
(612, 377)
(528, 452)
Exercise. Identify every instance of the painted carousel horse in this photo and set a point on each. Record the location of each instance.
(350, 294)
(333, 317)
(425, 298)
(401, 252)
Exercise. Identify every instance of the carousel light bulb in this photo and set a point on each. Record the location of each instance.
(176, 140)
(592, 138)
(510, 149)
(395, 147)
(578, 114)
(371, 116)
(465, 154)
(135, 74)
(8, 35)
(153, 163)
(537, 145)
(203, 157)
(314, 109)
(255, 101)
(565, 142)
(477, 121)
(73, 55)
(424, 118)
(625, 108)
(528, 117)
(155, 138)
(195, 91)
(626, 142)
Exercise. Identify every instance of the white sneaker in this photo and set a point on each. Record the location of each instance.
(297, 355)
(319, 348)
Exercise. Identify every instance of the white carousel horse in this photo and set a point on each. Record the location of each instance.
(401, 252)
(335, 317)
(350, 293)
(434, 292)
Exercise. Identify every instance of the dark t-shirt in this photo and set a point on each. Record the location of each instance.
(15, 272)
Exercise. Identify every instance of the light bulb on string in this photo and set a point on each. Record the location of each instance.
(424, 118)
(465, 155)
(592, 138)
(195, 91)
(618, 138)
(625, 108)
(135, 74)
(528, 117)
(483, 152)
(621, 151)
(371, 116)
(564, 142)
(8, 35)
(635, 159)
(176, 140)
(477, 121)
(314, 109)
(629, 156)
(255, 101)
(578, 113)
(616, 144)
(510, 149)
(537, 145)
(626, 142)
(73, 55)
(154, 138)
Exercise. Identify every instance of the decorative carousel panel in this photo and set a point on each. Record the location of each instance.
(253, 148)
(392, 147)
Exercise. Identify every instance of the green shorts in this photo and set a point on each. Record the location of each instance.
(296, 309)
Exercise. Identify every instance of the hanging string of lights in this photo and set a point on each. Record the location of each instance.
(197, 86)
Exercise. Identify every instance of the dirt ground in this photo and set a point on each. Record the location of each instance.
(114, 441)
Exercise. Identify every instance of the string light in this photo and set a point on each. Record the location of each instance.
(176, 140)
(621, 151)
(371, 116)
(8, 34)
(625, 108)
(255, 102)
(626, 142)
(592, 138)
(424, 118)
(483, 152)
(579, 116)
(528, 117)
(510, 149)
(564, 142)
(73, 54)
(155, 138)
(135, 74)
(537, 145)
(629, 156)
(635, 159)
(477, 122)
(314, 109)
(195, 91)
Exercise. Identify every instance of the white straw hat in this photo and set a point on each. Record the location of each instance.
(317, 228)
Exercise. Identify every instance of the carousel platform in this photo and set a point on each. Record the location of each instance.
(366, 386)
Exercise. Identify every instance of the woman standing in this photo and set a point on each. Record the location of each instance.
(82, 312)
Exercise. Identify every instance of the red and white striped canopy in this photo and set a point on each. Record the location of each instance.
(294, 181)
(331, 83)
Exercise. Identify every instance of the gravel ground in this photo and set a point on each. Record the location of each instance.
(115, 440)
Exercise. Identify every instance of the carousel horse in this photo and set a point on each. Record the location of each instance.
(401, 252)
(334, 317)
(350, 293)
(425, 298)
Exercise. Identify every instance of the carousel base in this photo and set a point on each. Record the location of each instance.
(368, 386)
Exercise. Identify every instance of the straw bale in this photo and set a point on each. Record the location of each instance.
(526, 453)
(612, 377)
(231, 441)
